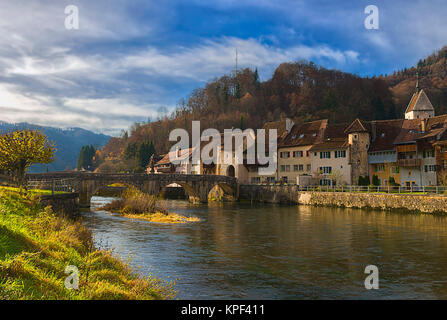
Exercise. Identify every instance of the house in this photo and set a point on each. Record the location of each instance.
(330, 159)
(165, 165)
(382, 153)
(294, 160)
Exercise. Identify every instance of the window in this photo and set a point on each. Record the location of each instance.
(380, 167)
(301, 167)
(326, 170)
(394, 169)
(287, 168)
(429, 153)
(284, 154)
(430, 168)
(325, 182)
(356, 137)
(284, 179)
(295, 167)
(340, 154)
(283, 168)
(309, 167)
(325, 155)
(255, 180)
(297, 154)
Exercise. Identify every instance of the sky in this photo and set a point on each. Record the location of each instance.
(130, 61)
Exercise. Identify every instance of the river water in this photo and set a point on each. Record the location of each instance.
(244, 251)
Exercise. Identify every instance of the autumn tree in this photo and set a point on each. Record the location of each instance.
(21, 149)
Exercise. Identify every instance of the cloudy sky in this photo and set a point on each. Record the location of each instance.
(131, 60)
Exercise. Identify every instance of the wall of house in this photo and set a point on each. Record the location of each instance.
(294, 163)
(340, 166)
(428, 178)
(390, 170)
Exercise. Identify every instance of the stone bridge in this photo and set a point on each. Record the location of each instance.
(197, 187)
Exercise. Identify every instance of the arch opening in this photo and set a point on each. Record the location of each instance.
(231, 171)
(178, 190)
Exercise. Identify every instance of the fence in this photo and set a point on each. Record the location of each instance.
(370, 189)
(55, 185)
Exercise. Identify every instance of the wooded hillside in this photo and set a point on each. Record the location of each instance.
(299, 90)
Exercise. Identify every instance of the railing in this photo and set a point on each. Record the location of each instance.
(409, 162)
(55, 185)
(417, 190)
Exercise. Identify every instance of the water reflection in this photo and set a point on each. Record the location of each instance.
(243, 251)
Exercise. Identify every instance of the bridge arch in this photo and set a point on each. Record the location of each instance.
(222, 191)
(192, 195)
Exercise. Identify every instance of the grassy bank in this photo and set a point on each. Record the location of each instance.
(36, 245)
(138, 205)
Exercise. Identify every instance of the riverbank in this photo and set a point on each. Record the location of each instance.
(36, 245)
(417, 203)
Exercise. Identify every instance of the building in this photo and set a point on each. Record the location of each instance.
(330, 158)
(165, 165)
(382, 154)
(294, 158)
(420, 106)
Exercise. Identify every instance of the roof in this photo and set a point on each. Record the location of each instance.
(383, 134)
(184, 154)
(419, 102)
(304, 134)
(331, 144)
(356, 126)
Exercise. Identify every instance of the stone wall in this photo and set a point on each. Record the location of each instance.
(269, 193)
(381, 201)
(66, 203)
(407, 202)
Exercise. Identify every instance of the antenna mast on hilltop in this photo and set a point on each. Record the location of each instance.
(236, 62)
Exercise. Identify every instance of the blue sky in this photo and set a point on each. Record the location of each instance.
(131, 60)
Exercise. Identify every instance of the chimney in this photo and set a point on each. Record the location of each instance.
(289, 125)
(373, 131)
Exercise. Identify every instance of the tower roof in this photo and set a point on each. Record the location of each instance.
(419, 102)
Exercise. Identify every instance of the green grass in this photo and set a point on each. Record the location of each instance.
(36, 245)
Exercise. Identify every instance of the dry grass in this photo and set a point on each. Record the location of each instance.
(138, 205)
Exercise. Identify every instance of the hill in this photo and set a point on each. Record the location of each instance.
(299, 90)
(68, 143)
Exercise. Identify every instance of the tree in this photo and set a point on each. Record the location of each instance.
(21, 149)
(375, 180)
(86, 158)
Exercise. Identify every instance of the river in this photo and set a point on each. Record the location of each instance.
(244, 251)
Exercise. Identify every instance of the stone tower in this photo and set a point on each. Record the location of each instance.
(359, 142)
